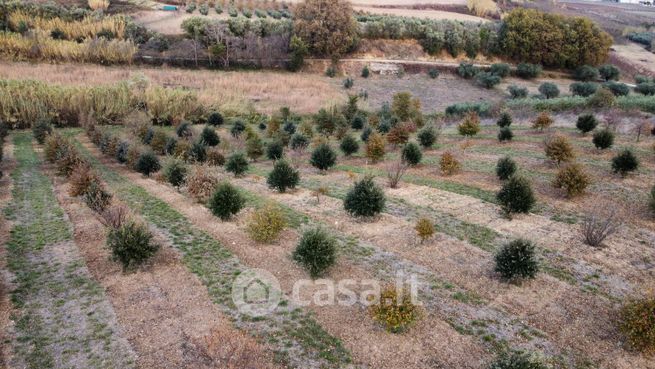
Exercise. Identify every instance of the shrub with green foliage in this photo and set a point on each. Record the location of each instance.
(625, 162)
(131, 244)
(638, 324)
(505, 134)
(549, 90)
(646, 88)
(433, 73)
(617, 88)
(505, 120)
(394, 310)
(209, 137)
(299, 142)
(505, 168)
(237, 128)
(237, 164)
(528, 71)
(226, 201)
(603, 139)
(518, 360)
(148, 163)
(215, 119)
(266, 224)
(427, 136)
(586, 73)
(412, 154)
(41, 129)
(517, 260)
(470, 126)
(487, 79)
(516, 196)
(501, 70)
(365, 199)
(349, 145)
(467, 70)
(348, 83)
(175, 172)
(274, 150)
(316, 251)
(583, 89)
(283, 176)
(602, 98)
(183, 130)
(254, 147)
(573, 179)
(96, 196)
(517, 92)
(366, 72)
(586, 123)
(197, 152)
(323, 157)
(608, 72)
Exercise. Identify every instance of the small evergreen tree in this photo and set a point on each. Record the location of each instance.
(366, 72)
(316, 251)
(274, 150)
(131, 244)
(412, 154)
(299, 142)
(226, 201)
(505, 134)
(209, 137)
(427, 136)
(147, 163)
(175, 172)
(517, 260)
(505, 168)
(237, 164)
(197, 152)
(586, 123)
(254, 147)
(549, 90)
(625, 162)
(215, 119)
(365, 199)
(505, 120)
(603, 139)
(349, 145)
(323, 157)
(182, 131)
(516, 196)
(237, 128)
(283, 176)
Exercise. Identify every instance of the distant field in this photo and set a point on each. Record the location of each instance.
(431, 14)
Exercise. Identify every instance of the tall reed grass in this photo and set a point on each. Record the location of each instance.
(88, 27)
(98, 4)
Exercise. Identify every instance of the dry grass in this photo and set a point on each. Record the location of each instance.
(88, 27)
(99, 4)
(429, 14)
(231, 91)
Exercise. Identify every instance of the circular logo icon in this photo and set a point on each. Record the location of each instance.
(256, 292)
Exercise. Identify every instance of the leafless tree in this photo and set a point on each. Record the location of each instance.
(395, 172)
(601, 221)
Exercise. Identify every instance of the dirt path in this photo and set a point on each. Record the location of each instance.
(63, 318)
(7, 166)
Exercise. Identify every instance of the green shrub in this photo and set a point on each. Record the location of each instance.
(549, 90)
(427, 136)
(96, 197)
(470, 126)
(608, 72)
(517, 92)
(283, 176)
(505, 168)
(646, 88)
(215, 119)
(642, 79)
(501, 70)
(395, 310)
(603, 139)
(209, 137)
(237, 128)
(131, 244)
(505, 120)
(366, 72)
(358, 122)
(516, 196)
(226, 201)
(299, 142)
(517, 260)
(518, 360)
(323, 157)
(175, 172)
(274, 150)
(505, 134)
(316, 251)
(348, 83)
(487, 79)
(573, 179)
(183, 130)
(158, 142)
(237, 164)
(467, 70)
(583, 89)
(147, 163)
(602, 98)
(41, 129)
(266, 224)
(349, 145)
(169, 148)
(638, 324)
(364, 199)
(366, 133)
(528, 71)
(203, 9)
(433, 73)
(625, 162)
(254, 147)
(197, 152)
(331, 72)
(412, 154)
(617, 88)
(458, 109)
(586, 123)
(586, 73)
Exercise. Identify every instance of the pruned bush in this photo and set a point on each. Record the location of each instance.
(316, 251)
(148, 163)
(638, 324)
(608, 72)
(197, 153)
(516, 196)
(625, 162)
(412, 154)
(365, 199)
(573, 179)
(395, 309)
(323, 157)
(586, 73)
(470, 126)
(518, 360)
(505, 168)
(96, 197)
(349, 145)
(226, 201)
(502, 70)
(602, 98)
(505, 120)
(274, 150)
(184, 130)
(517, 92)
(586, 123)
(131, 244)
(237, 164)
(467, 70)
(517, 260)
(617, 88)
(601, 220)
(209, 137)
(549, 90)
(375, 147)
(528, 71)
(542, 121)
(583, 89)
(265, 224)
(487, 79)
(424, 229)
(448, 164)
(505, 134)
(215, 119)
(646, 88)
(175, 172)
(427, 136)
(283, 176)
(200, 183)
(558, 148)
(237, 128)
(41, 129)
(603, 139)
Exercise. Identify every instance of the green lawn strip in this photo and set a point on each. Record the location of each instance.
(62, 317)
(295, 335)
